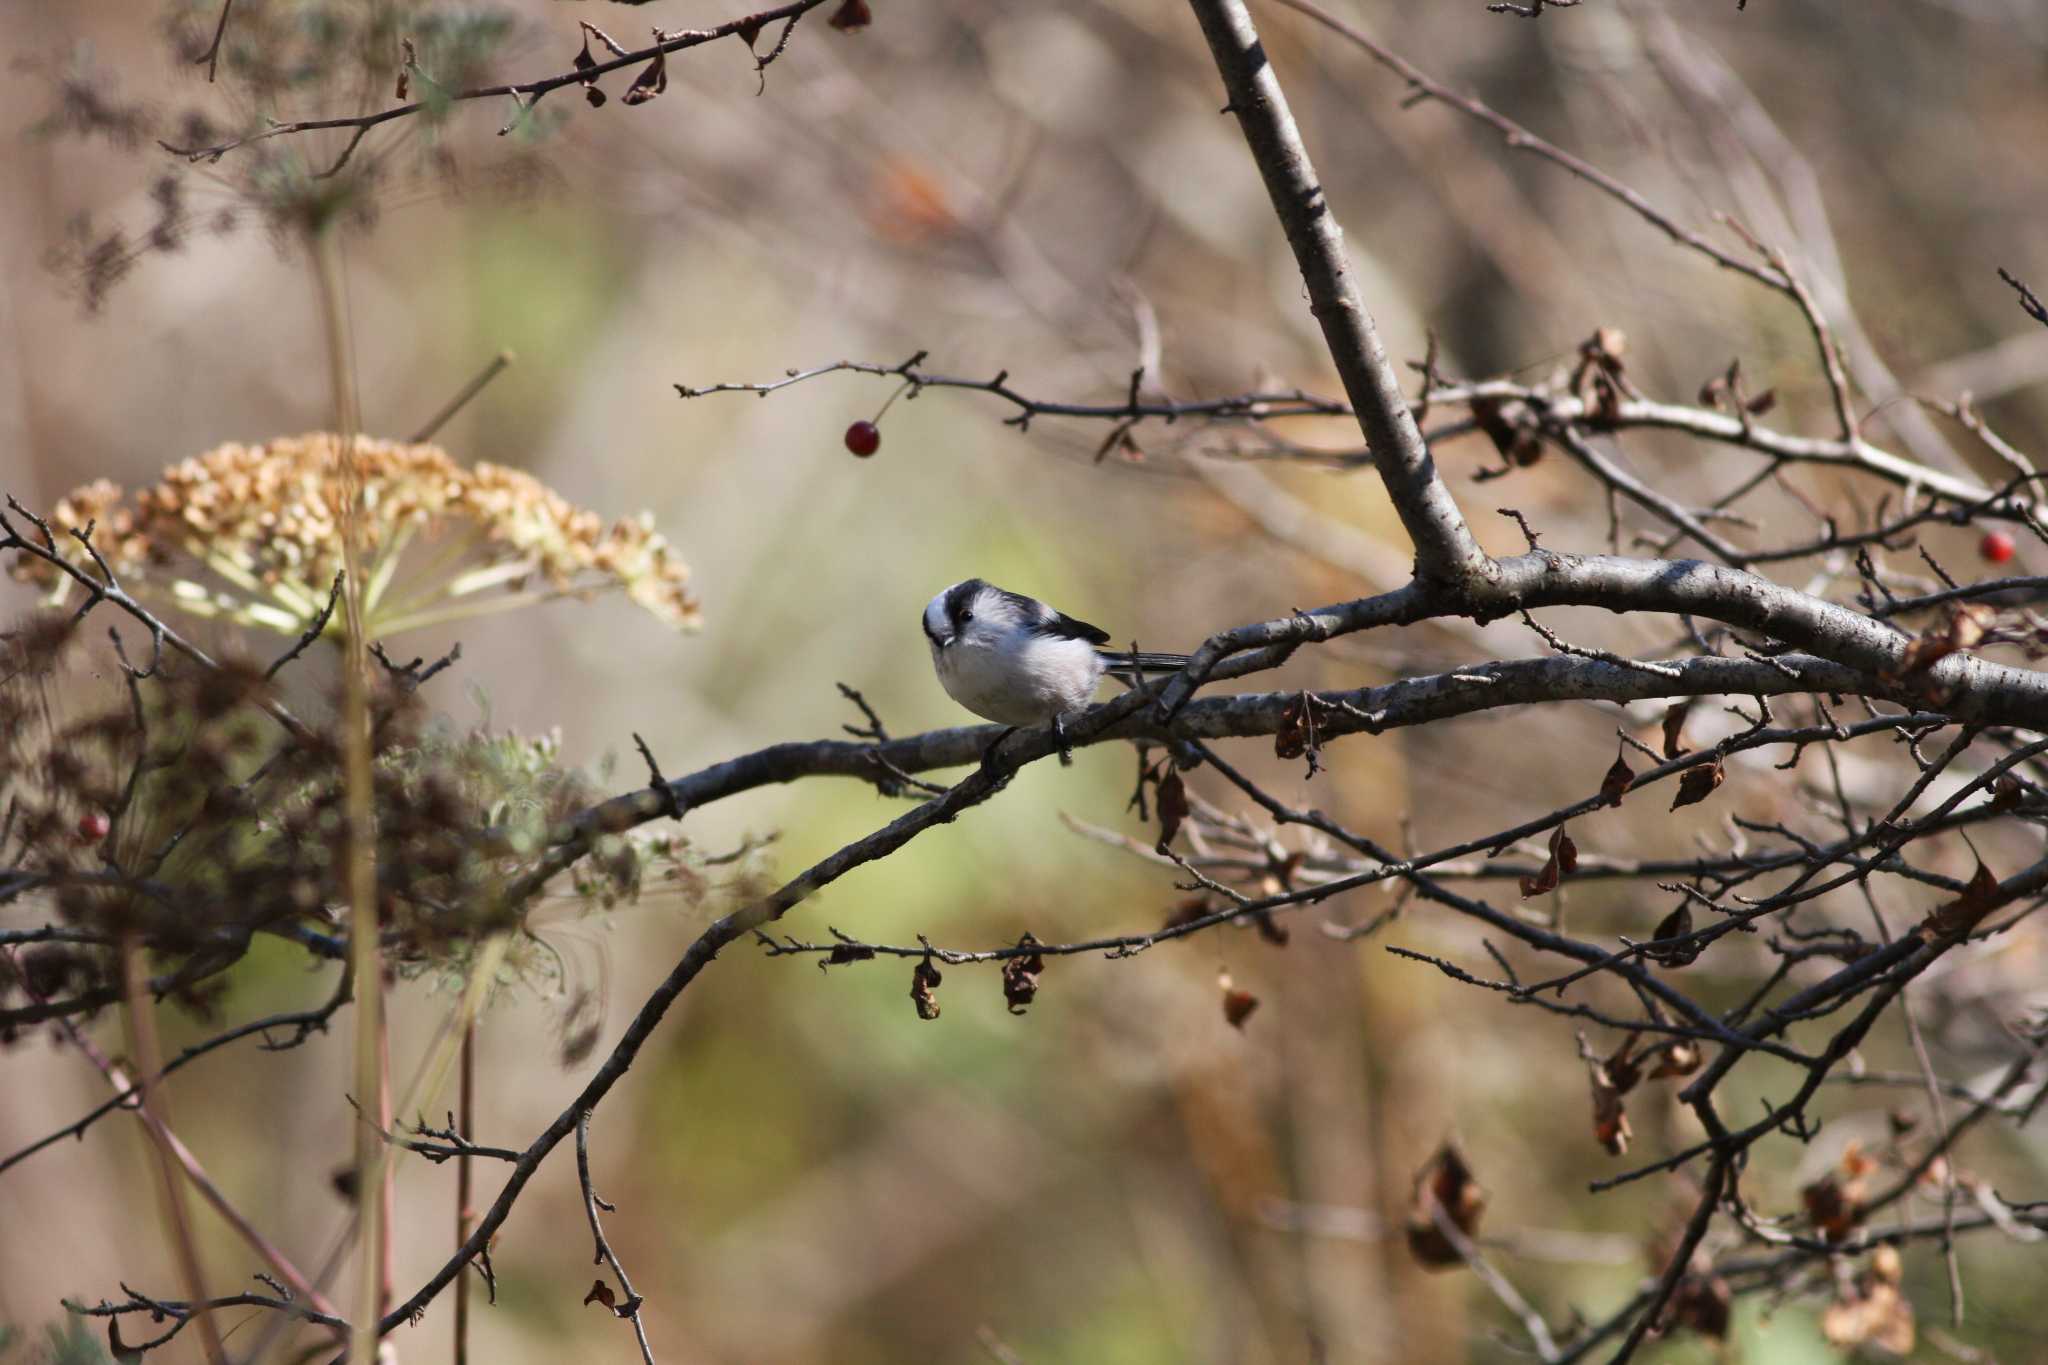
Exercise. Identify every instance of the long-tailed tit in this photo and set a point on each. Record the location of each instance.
(1014, 660)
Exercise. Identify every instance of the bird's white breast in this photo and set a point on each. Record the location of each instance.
(1020, 679)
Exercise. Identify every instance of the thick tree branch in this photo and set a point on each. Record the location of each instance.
(1445, 552)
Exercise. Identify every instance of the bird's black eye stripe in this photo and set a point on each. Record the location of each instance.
(958, 600)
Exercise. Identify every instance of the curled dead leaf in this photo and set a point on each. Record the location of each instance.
(585, 62)
(1564, 859)
(1834, 1206)
(1238, 1003)
(1173, 805)
(652, 80)
(1519, 447)
(1677, 924)
(1698, 783)
(1871, 1310)
(1963, 628)
(1702, 1303)
(1020, 976)
(1674, 728)
(1679, 1059)
(1618, 780)
(1298, 726)
(924, 979)
(1980, 897)
(1610, 1079)
(1444, 1182)
(851, 15)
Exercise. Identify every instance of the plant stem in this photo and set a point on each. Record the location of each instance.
(140, 1018)
(371, 1172)
(465, 1207)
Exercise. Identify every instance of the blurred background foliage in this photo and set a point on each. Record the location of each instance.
(805, 1172)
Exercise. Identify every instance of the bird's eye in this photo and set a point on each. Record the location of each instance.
(965, 617)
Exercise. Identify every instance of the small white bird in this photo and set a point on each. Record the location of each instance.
(1014, 660)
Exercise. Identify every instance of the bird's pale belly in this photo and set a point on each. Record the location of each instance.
(1002, 692)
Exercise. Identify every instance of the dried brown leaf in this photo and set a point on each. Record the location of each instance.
(1833, 1206)
(584, 62)
(851, 14)
(1980, 897)
(1697, 784)
(1563, 859)
(1963, 628)
(1679, 1059)
(1619, 779)
(1020, 976)
(924, 979)
(1611, 1078)
(1445, 1181)
(652, 80)
(1674, 726)
(1518, 446)
(1871, 1310)
(1297, 732)
(1677, 924)
(1238, 1003)
(600, 1292)
(1173, 805)
(1702, 1303)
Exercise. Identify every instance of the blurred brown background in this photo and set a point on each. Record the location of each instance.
(804, 1171)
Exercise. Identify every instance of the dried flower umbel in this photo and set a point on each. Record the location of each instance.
(249, 534)
(172, 811)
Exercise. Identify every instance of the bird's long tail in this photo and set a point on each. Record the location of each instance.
(1142, 662)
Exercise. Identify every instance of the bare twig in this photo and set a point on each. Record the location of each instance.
(525, 94)
(499, 363)
(629, 1306)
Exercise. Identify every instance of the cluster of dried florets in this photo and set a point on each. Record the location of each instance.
(174, 814)
(264, 524)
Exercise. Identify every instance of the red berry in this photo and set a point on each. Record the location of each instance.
(93, 826)
(863, 439)
(1996, 547)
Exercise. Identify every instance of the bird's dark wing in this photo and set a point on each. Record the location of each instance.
(1061, 626)
(1057, 625)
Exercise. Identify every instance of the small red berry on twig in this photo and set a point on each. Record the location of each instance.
(863, 439)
